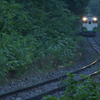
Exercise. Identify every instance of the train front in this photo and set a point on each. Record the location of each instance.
(89, 26)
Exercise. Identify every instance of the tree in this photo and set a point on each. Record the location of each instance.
(77, 6)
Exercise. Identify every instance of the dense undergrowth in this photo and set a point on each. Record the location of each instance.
(36, 33)
(87, 90)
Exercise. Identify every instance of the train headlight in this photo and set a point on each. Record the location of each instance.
(95, 19)
(84, 19)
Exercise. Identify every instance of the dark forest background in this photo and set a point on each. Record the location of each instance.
(38, 33)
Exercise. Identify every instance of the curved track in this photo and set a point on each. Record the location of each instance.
(94, 45)
(36, 92)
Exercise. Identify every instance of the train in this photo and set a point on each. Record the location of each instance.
(89, 26)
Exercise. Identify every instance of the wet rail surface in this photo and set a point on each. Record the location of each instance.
(36, 92)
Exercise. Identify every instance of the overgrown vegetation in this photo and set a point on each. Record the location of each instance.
(77, 6)
(38, 32)
(87, 90)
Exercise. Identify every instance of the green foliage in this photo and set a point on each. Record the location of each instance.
(50, 98)
(77, 6)
(87, 90)
(16, 52)
(57, 52)
(41, 33)
(13, 18)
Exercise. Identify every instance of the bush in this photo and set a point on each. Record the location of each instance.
(87, 90)
(13, 18)
(16, 52)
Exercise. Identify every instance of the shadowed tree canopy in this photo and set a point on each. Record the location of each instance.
(77, 6)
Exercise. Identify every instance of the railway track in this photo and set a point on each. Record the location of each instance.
(36, 92)
(94, 45)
